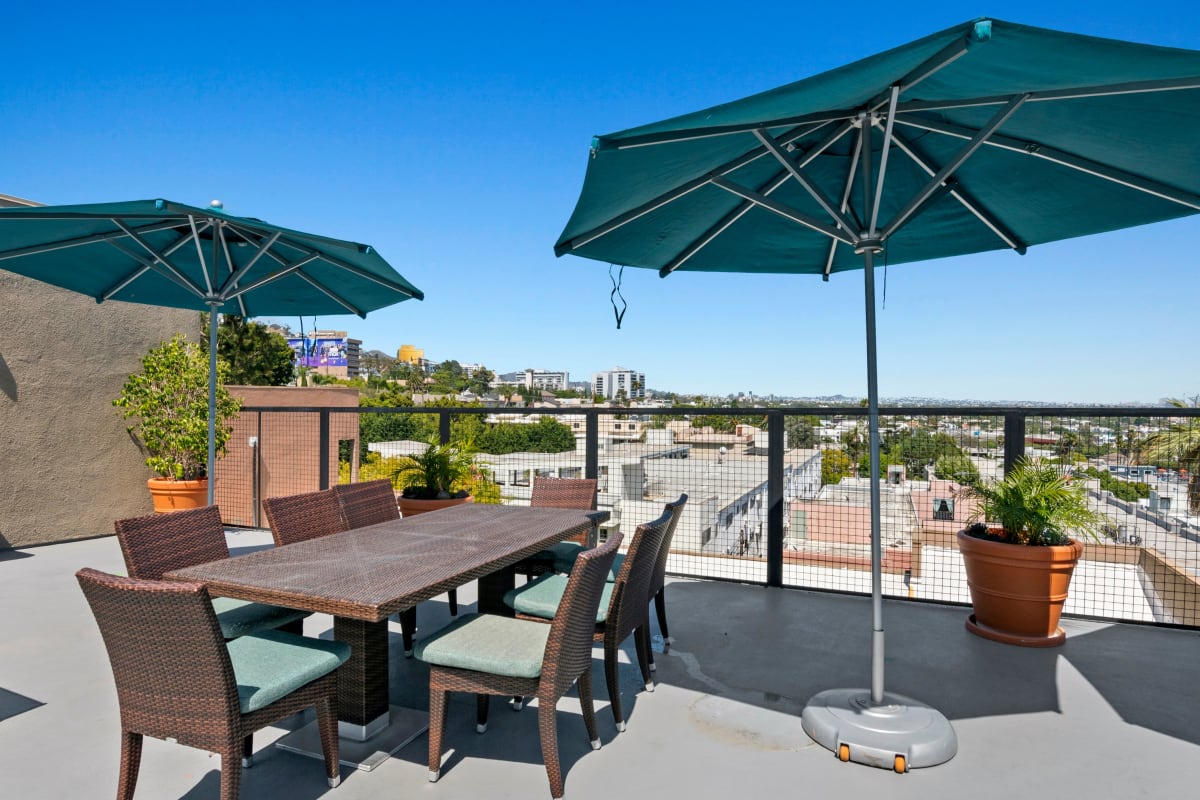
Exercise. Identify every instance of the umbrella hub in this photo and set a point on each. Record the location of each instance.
(869, 244)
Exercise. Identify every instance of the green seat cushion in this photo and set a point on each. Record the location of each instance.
(488, 643)
(273, 664)
(540, 597)
(566, 563)
(240, 617)
(559, 553)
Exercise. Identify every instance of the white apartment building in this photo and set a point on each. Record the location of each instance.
(546, 379)
(619, 381)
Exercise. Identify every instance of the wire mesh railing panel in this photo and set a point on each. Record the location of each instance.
(793, 515)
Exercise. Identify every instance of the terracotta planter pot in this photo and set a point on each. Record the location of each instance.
(1017, 591)
(410, 506)
(172, 495)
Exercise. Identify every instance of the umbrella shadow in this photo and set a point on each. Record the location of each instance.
(12, 704)
(8, 383)
(1144, 673)
(776, 648)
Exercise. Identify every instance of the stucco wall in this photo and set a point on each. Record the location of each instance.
(67, 466)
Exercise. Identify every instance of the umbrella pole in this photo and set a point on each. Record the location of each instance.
(212, 401)
(870, 726)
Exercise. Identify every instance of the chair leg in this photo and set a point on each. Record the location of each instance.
(439, 699)
(481, 712)
(453, 597)
(248, 751)
(548, 728)
(518, 702)
(641, 642)
(408, 627)
(589, 707)
(131, 758)
(660, 609)
(328, 726)
(231, 770)
(613, 679)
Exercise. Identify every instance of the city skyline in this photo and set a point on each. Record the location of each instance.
(454, 141)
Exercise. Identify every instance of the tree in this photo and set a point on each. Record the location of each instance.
(835, 465)
(957, 468)
(801, 431)
(256, 355)
(1179, 446)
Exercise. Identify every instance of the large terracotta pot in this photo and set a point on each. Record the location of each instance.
(172, 495)
(1018, 591)
(410, 506)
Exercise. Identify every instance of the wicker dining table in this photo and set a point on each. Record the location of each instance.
(365, 575)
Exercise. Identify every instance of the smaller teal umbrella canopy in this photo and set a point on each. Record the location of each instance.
(162, 253)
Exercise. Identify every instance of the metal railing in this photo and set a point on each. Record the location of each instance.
(791, 515)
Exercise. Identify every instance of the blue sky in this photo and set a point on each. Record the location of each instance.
(454, 139)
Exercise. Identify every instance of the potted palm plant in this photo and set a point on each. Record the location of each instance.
(1019, 567)
(168, 401)
(434, 479)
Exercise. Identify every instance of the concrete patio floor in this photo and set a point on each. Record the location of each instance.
(1113, 713)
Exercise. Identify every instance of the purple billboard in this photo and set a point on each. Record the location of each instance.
(319, 351)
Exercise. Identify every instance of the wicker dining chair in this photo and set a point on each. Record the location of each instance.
(299, 517)
(177, 678)
(575, 493)
(159, 543)
(490, 654)
(624, 606)
(658, 580)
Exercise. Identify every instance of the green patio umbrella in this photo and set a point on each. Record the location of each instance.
(988, 135)
(169, 254)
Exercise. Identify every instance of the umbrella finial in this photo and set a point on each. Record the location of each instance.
(982, 31)
(217, 204)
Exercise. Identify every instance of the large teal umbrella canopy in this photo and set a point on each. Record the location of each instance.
(999, 136)
(985, 136)
(169, 254)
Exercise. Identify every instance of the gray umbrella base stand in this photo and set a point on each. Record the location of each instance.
(899, 734)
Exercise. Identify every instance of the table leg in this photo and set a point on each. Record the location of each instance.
(493, 587)
(370, 729)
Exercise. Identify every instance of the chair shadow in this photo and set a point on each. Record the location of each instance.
(10, 554)
(12, 704)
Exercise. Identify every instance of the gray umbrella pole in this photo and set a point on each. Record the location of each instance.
(876, 513)
(212, 402)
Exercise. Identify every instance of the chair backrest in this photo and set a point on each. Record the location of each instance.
(675, 509)
(577, 493)
(569, 646)
(629, 604)
(299, 517)
(168, 657)
(367, 503)
(159, 543)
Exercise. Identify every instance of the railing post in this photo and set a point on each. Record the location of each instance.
(1014, 439)
(591, 445)
(323, 445)
(444, 427)
(775, 498)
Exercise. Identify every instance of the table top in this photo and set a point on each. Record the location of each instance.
(370, 573)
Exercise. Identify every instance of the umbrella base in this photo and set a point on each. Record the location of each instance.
(899, 734)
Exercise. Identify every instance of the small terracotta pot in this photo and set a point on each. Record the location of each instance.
(173, 495)
(410, 506)
(1018, 591)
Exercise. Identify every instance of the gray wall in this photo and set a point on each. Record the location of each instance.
(67, 466)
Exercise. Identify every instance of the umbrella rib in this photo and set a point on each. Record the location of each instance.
(1076, 93)
(777, 180)
(287, 270)
(232, 281)
(337, 262)
(157, 258)
(33, 250)
(783, 210)
(968, 201)
(949, 168)
(883, 155)
(208, 285)
(849, 187)
(330, 294)
(147, 264)
(1062, 158)
(801, 177)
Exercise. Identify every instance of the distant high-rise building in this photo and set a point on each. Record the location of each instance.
(328, 353)
(619, 382)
